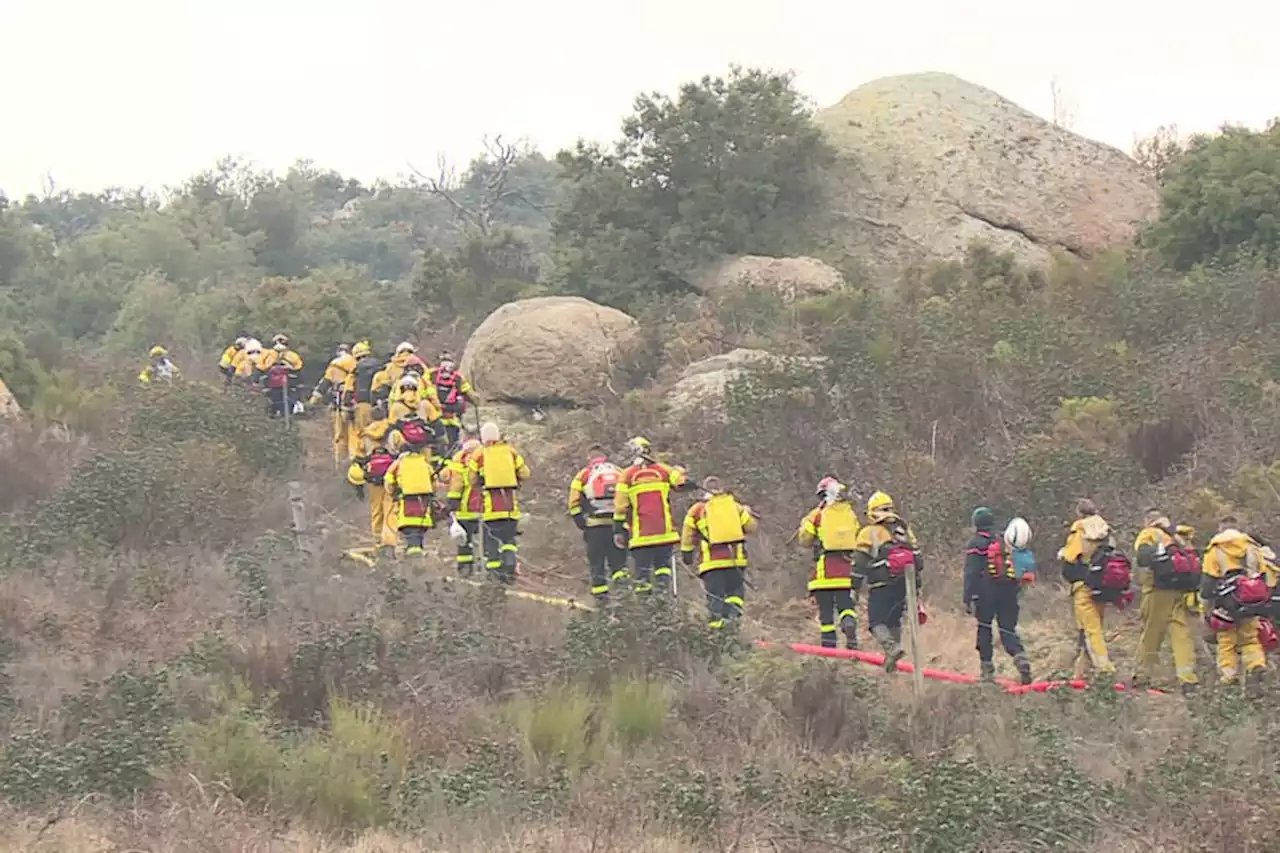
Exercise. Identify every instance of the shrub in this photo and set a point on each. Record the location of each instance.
(560, 726)
(638, 710)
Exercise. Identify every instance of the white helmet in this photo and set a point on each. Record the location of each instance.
(253, 345)
(1018, 533)
(405, 346)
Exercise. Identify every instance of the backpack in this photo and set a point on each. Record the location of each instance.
(999, 564)
(897, 554)
(724, 520)
(414, 432)
(498, 470)
(278, 376)
(838, 527)
(600, 487)
(1178, 570)
(448, 389)
(375, 470)
(1110, 574)
(1251, 591)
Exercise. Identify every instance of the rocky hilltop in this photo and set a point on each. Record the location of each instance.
(933, 162)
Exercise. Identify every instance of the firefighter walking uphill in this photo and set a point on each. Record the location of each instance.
(831, 529)
(642, 520)
(716, 527)
(592, 493)
(886, 550)
(499, 470)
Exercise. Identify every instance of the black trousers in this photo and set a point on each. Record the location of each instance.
(725, 589)
(500, 549)
(413, 536)
(833, 606)
(886, 606)
(466, 559)
(997, 606)
(652, 566)
(275, 402)
(604, 557)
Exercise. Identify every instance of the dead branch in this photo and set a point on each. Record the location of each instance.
(500, 157)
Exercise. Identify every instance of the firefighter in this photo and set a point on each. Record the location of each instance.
(1168, 569)
(1086, 560)
(159, 367)
(409, 402)
(227, 364)
(831, 530)
(330, 388)
(591, 497)
(358, 388)
(885, 552)
(466, 505)
(642, 519)
(1235, 594)
(499, 470)
(367, 472)
(245, 363)
(411, 484)
(453, 392)
(280, 368)
(717, 526)
(991, 594)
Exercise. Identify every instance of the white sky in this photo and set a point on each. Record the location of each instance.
(147, 92)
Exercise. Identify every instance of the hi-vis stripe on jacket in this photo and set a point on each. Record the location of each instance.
(499, 503)
(832, 569)
(642, 503)
(577, 499)
(694, 532)
(463, 488)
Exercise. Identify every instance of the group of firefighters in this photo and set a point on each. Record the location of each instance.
(397, 425)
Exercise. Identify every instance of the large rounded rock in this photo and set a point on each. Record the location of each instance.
(790, 278)
(932, 162)
(703, 386)
(552, 350)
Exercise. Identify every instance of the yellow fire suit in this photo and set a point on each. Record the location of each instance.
(1164, 611)
(1085, 537)
(1234, 552)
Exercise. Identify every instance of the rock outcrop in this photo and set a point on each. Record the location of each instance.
(703, 386)
(9, 407)
(790, 278)
(934, 162)
(552, 350)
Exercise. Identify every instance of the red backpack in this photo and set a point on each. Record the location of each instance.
(1115, 573)
(898, 554)
(1252, 591)
(414, 432)
(278, 376)
(999, 565)
(375, 470)
(448, 389)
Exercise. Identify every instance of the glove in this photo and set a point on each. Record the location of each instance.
(1028, 578)
(579, 520)
(968, 607)
(619, 541)
(686, 557)
(457, 532)
(360, 492)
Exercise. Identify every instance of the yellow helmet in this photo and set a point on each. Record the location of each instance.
(158, 351)
(879, 505)
(361, 349)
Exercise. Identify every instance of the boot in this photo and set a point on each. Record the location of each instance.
(387, 552)
(849, 625)
(893, 652)
(1190, 688)
(1023, 663)
(988, 671)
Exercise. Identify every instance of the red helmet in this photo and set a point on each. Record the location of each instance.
(1220, 620)
(413, 364)
(829, 486)
(1267, 634)
(1252, 591)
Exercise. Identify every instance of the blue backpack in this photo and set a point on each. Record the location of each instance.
(1024, 560)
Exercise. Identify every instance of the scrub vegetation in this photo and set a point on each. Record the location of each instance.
(176, 675)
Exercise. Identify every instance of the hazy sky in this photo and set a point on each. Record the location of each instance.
(146, 92)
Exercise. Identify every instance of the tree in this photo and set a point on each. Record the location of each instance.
(1158, 152)
(729, 165)
(1220, 202)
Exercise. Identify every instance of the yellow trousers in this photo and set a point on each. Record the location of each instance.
(341, 437)
(363, 417)
(1242, 639)
(1164, 613)
(382, 516)
(1093, 643)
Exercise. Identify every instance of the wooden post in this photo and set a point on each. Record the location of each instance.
(911, 617)
(298, 510)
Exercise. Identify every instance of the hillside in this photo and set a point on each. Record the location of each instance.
(179, 672)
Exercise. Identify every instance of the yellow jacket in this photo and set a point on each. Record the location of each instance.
(464, 498)
(335, 376)
(871, 537)
(414, 403)
(1232, 551)
(269, 357)
(1084, 538)
(228, 360)
(694, 533)
(642, 503)
(244, 364)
